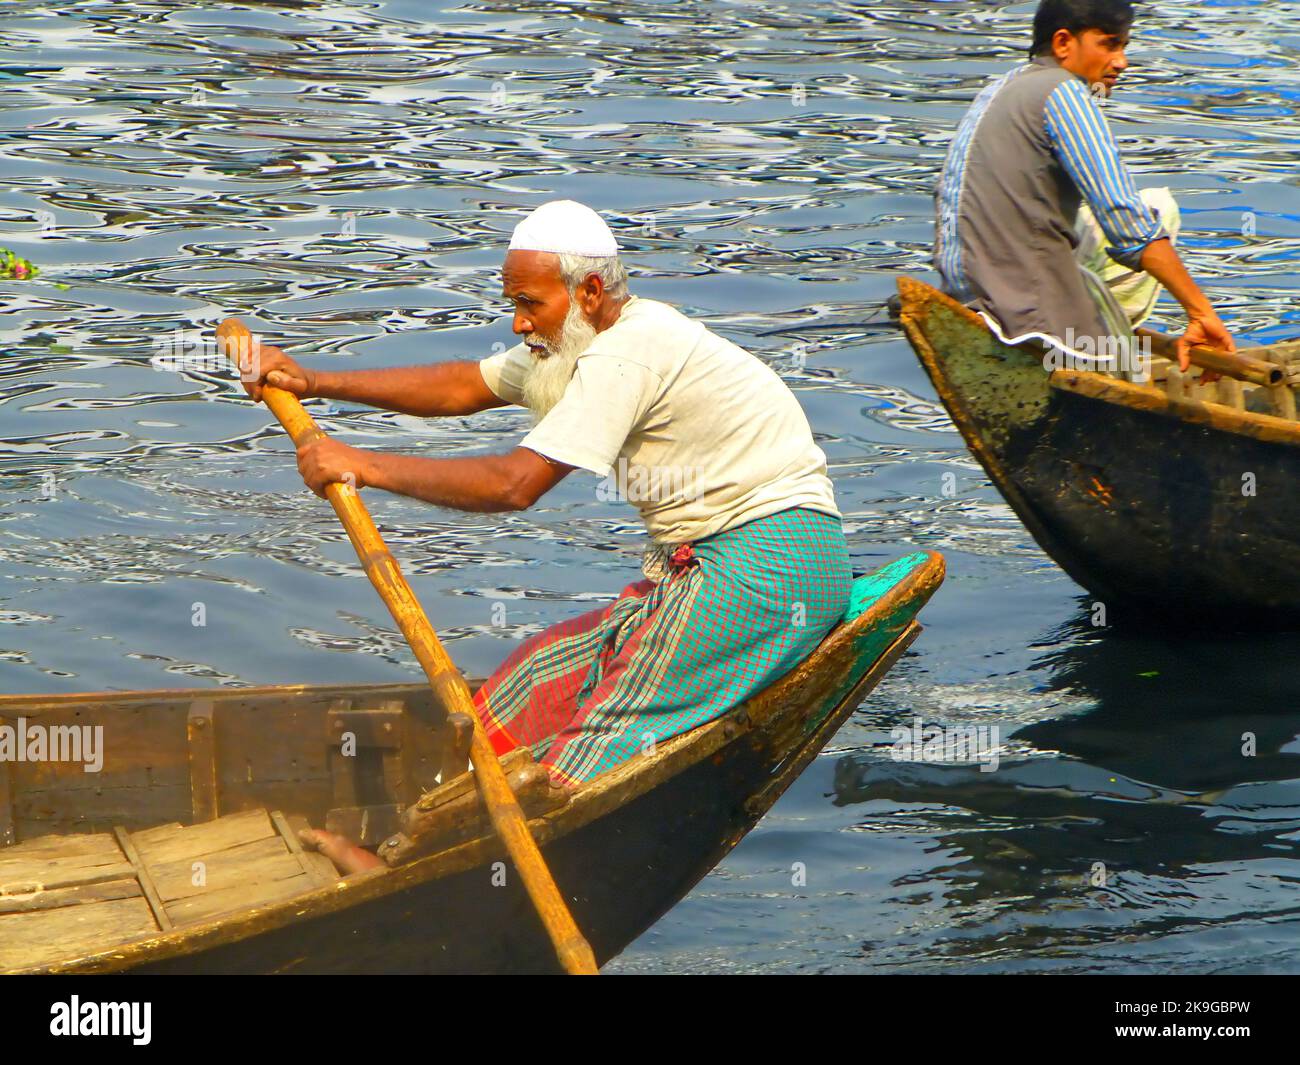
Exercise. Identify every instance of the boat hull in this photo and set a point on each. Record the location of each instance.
(624, 848)
(1175, 511)
(620, 874)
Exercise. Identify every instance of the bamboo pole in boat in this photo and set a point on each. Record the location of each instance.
(1240, 366)
(1281, 396)
(508, 819)
(1230, 393)
(1176, 383)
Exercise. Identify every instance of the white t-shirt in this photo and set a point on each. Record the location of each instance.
(696, 432)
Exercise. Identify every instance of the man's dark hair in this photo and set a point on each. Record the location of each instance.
(1109, 16)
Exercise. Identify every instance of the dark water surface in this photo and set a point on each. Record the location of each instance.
(768, 167)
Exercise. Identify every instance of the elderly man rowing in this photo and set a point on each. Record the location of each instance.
(748, 568)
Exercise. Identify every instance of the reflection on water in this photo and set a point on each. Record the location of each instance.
(1165, 812)
(342, 175)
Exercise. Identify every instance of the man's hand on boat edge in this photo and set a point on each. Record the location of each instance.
(1204, 327)
(1204, 331)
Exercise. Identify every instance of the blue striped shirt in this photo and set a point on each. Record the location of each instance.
(1085, 146)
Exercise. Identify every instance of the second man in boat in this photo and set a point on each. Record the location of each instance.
(1041, 227)
(748, 568)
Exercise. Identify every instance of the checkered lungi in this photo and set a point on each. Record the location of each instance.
(734, 612)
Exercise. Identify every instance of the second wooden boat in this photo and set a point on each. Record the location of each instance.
(1167, 498)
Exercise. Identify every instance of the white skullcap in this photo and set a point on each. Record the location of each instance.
(565, 227)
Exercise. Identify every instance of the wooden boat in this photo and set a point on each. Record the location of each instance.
(180, 854)
(1171, 498)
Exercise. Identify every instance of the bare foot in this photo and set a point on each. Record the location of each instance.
(346, 855)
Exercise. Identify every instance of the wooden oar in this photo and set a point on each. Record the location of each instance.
(1241, 366)
(572, 949)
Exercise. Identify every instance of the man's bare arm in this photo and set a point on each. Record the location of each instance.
(481, 483)
(438, 390)
(1162, 262)
(444, 388)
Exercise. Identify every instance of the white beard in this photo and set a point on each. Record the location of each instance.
(550, 373)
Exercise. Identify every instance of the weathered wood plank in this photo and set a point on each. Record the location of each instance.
(60, 873)
(7, 826)
(46, 811)
(143, 877)
(1176, 384)
(247, 865)
(343, 774)
(144, 746)
(1230, 393)
(268, 742)
(201, 731)
(238, 897)
(99, 845)
(61, 861)
(170, 843)
(259, 748)
(80, 894)
(48, 935)
(371, 726)
(269, 755)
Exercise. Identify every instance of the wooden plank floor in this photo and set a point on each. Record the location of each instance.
(64, 896)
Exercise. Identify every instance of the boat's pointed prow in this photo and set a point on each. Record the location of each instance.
(911, 580)
(912, 293)
(882, 611)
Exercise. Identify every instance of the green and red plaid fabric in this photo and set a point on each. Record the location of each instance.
(737, 610)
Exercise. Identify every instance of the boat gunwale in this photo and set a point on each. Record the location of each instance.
(41, 702)
(1148, 399)
(607, 792)
(1144, 398)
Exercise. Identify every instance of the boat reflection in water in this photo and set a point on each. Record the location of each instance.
(1170, 808)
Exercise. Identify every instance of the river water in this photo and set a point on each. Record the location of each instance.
(344, 176)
